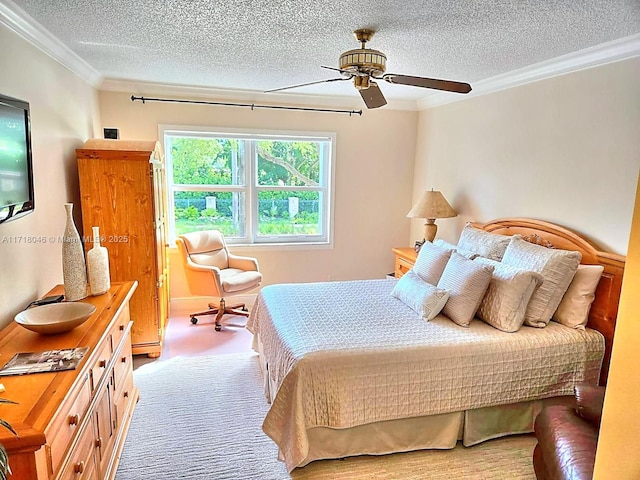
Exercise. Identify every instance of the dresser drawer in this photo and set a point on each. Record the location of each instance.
(123, 400)
(67, 423)
(81, 464)
(101, 362)
(120, 326)
(123, 366)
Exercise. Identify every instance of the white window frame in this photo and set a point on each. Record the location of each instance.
(251, 188)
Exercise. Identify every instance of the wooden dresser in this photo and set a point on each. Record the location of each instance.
(72, 424)
(123, 191)
(405, 258)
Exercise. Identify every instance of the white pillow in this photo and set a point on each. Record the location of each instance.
(449, 246)
(466, 281)
(444, 244)
(556, 266)
(574, 307)
(422, 297)
(505, 302)
(485, 244)
(431, 261)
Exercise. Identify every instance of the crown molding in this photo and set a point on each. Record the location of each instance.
(21, 23)
(252, 96)
(614, 51)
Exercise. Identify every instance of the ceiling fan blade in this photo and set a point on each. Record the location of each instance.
(372, 96)
(446, 85)
(306, 84)
(337, 69)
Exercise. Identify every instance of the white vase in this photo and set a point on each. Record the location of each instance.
(98, 266)
(74, 269)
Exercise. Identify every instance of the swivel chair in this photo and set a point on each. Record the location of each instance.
(211, 270)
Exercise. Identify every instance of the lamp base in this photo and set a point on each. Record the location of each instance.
(430, 229)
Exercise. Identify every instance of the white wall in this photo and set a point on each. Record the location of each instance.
(63, 115)
(373, 173)
(564, 150)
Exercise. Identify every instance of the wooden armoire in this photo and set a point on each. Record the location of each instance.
(123, 191)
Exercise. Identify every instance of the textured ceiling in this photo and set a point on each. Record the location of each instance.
(259, 44)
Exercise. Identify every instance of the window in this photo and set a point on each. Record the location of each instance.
(255, 187)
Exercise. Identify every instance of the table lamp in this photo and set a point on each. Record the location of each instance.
(432, 205)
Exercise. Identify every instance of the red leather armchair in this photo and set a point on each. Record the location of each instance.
(568, 435)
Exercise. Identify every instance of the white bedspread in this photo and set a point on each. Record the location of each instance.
(342, 354)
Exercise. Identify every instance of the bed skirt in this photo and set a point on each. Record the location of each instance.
(418, 433)
(432, 432)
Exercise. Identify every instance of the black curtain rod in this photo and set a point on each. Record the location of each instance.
(250, 105)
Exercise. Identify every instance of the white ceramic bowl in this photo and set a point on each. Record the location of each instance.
(55, 317)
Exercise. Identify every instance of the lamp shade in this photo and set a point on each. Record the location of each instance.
(432, 205)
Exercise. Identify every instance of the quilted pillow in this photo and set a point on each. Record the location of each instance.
(431, 262)
(574, 307)
(485, 244)
(422, 297)
(556, 266)
(466, 281)
(505, 302)
(444, 244)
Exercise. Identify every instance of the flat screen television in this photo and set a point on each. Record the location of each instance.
(16, 168)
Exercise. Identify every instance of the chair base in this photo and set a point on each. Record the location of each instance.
(219, 311)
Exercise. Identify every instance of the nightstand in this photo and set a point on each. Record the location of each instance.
(405, 258)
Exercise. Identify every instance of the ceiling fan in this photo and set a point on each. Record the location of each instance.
(365, 65)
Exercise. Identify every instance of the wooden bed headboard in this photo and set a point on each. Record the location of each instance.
(604, 310)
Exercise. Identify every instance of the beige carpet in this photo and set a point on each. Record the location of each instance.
(200, 417)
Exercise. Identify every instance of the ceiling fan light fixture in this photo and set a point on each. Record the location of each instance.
(364, 60)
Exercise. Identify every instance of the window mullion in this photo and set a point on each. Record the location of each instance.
(252, 195)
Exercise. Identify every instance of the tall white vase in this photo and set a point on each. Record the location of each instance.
(98, 266)
(74, 269)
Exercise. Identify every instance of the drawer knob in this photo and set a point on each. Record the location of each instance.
(123, 359)
(98, 442)
(74, 419)
(121, 327)
(102, 363)
(78, 467)
(125, 394)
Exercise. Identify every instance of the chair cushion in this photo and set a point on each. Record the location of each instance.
(234, 280)
(218, 258)
(206, 248)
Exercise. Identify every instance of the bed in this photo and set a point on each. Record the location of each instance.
(349, 370)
